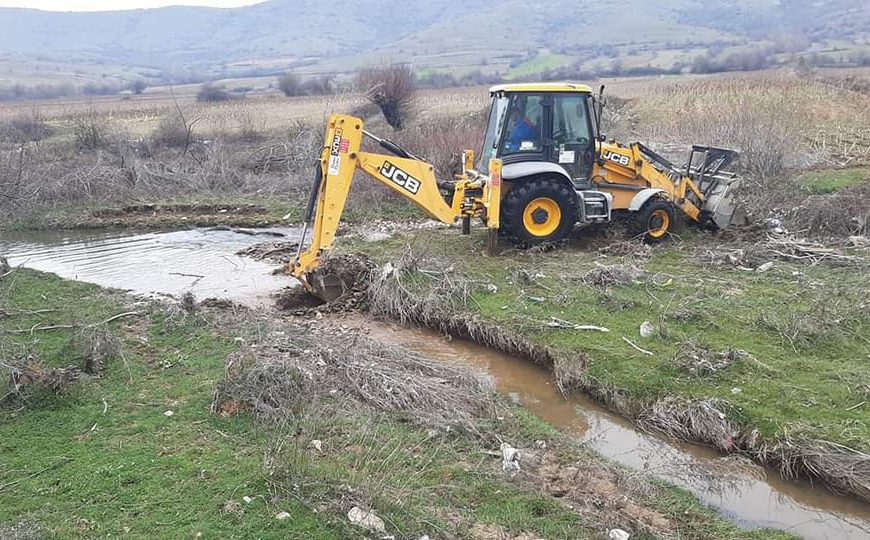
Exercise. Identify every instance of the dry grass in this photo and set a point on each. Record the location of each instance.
(286, 379)
(705, 420)
(842, 468)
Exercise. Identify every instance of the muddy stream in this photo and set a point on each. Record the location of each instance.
(203, 261)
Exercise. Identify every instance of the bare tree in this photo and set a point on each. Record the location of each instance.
(391, 88)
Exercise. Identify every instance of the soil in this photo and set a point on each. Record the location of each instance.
(587, 484)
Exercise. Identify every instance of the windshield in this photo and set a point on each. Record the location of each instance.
(493, 131)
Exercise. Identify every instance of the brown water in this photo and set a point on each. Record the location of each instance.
(752, 496)
(203, 262)
(200, 261)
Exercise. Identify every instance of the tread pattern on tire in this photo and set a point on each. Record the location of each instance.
(638, 223)
(524, 192)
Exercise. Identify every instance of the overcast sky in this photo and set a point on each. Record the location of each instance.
(106, 5)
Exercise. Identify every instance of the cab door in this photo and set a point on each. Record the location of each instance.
(570, 135)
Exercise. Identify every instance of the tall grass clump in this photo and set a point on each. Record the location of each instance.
(391, 88)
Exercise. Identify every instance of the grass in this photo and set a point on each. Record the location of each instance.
(538, 64)
(105, 460)
(826, 181)
(804, 326)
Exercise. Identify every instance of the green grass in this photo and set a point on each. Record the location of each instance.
(832, 180)
(539, 63)
(805, 327)
(104, 459)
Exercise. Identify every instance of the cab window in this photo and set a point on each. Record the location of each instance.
(570, 124)
(524, 124)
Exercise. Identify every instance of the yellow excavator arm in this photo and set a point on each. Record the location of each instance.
(404, 173)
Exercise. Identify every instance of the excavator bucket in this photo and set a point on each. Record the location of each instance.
(325, 285)
(707, 167)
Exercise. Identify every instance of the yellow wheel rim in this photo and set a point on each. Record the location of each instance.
(542, 216)
(659, 223)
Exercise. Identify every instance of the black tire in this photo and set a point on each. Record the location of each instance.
(654, 221)
(536, 196)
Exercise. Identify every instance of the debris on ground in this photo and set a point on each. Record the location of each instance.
(279, 251)
(281, 516)
(366, 519)
(700, 361)
(610, 275)
(290, 373)
(759, 255)
(626, 248)
(510, 458)
(32, 372)
(97, 346)
(555, 322)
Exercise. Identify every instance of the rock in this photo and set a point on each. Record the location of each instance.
(617, 534)
(764, 267)
(510, 458)
(247, 499)
(736, 390)
(317, 444)
(366, 519)
(168, 414)
(646, 329)
(281, 516)
(375, 236)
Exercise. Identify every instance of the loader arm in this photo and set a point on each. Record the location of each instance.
(697, 190)
(402, 172)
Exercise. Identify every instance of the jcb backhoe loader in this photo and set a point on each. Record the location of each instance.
(544, 167)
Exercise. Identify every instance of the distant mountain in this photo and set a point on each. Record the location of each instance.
(432, 33)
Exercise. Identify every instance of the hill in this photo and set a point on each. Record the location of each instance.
(275, 35)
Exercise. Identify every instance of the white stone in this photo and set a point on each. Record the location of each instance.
(281, 516)
(646, 329)
(617, 534)
(366, 519)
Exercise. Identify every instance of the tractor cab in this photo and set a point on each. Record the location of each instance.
(542, 128)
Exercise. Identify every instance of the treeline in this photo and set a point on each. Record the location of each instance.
(20, 92)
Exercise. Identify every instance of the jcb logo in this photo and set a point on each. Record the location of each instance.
(616, 158)
(400, 177)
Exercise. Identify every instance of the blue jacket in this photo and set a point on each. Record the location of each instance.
(523, 131)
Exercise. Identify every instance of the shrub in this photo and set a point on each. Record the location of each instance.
(290, 84)
(138, 86)
(391, 88)
(210, 93)
(173, 131)
(89, 132)
(24, 128)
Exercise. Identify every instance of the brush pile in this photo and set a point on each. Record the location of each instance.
(288, 374)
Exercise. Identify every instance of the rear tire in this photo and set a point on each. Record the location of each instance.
(654, 221)
(539, 210)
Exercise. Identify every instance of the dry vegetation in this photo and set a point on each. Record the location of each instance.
(113, 152)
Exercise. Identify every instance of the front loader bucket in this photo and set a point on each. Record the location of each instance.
(721, 208)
